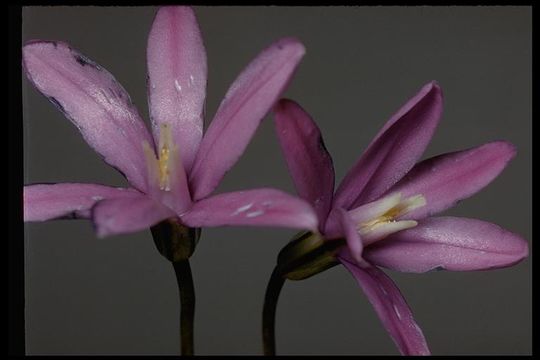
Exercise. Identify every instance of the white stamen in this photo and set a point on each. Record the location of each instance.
(375, 209)
(380, 230)
(377, 220)
(97, 198)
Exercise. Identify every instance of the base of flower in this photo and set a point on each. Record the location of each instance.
(306, 255)
(175, 241)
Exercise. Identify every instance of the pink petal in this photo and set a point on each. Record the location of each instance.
(94, 101)
(391, 308)
(394, 151)
(44, 202)
(307, 159)
(248, 100)
(348, 229)
(119, 216)
(167, 179)
(258, 207)
(450, 243)
(446, 179)
(177, 78)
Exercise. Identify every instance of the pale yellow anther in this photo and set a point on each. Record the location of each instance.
(166, 145)
(161, 166)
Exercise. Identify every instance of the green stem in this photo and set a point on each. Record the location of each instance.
(187, 305)
(269, 311)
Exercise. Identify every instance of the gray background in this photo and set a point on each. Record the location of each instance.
(118, 295)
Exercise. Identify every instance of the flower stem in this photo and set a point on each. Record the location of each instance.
(269, 311)
(187, 305)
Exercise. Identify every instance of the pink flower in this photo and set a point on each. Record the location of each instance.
(173, 171)
(384, 206)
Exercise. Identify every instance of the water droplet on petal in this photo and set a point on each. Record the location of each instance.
(397, 311)
(242, 209)
(255, 213)
(177, 86)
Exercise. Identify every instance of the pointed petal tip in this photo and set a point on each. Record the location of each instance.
(524, 251)
(32, 47)
(100, 231)
(292, 44)
(436, 88)
(284, 103)
(169, 10)
(506, 148)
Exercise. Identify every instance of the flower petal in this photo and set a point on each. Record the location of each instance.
(450, 243)
(119, 216)
(246, 103)
(307, 159)
(94, 101)
(446, 179)
(391, 308)
(44, 202)
(354, 242)
(177, 78)
(258, 207)
(394, 151)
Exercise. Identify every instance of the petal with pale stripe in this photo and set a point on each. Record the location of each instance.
(390, 306)
(177, 69)
(246, 103)
(450, 243)
(127, 215)
(394, 151)
(257, 207)
(308, 161)
(94, 101)
(446, 179)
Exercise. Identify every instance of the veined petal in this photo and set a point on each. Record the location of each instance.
(394, 151)
(450, 243)
(391, 307)
(308, 161)
(127, 215)
(258, 207)
(94, 101)
(247, 101)
(176, 60)
(446, 179)
(44, 202)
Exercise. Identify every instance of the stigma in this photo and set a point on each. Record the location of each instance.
(377, 220)
(160, 166)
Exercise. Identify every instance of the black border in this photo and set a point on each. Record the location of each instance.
(15, 171)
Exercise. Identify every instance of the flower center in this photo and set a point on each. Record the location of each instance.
(377, 220)
(160, 168)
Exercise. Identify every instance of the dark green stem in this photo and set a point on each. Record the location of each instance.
(187, 305)
(269, 311)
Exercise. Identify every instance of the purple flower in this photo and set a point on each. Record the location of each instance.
(173, 171)
(384, 205)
